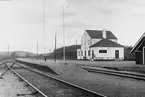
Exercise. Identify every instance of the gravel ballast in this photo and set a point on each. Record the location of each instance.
(111, 86)
(50, 86)
(10, 86)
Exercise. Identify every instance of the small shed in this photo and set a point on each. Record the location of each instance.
(139, 50)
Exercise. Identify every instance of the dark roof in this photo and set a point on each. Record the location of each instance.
(106, 43)
(138, 44)
(98, 34)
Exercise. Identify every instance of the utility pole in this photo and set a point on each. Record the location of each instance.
(37, 49)
(63, 36)
(44, 29)
(6, 1)
(50, 50)
(55, 47)
(8, 50)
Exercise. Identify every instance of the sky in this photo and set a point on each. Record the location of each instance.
(23, 23)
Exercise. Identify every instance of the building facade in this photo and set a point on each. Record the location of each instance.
(139, 50)
(100, 45)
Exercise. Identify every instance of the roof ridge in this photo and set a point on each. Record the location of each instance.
(96, 30)
(98, 34)
(134, 47)
(106, 43)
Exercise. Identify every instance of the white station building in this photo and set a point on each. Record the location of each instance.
(100, 45)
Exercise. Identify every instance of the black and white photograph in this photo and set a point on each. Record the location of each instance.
(72, 48)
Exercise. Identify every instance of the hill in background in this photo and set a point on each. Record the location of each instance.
(17, 54)
(14, 54)
(71, 53)
(22, 54)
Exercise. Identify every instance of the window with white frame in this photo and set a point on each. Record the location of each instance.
(78, 53)
(82, 43)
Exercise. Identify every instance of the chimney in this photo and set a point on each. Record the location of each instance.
(104, 33)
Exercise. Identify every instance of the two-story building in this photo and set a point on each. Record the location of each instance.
(100, 45)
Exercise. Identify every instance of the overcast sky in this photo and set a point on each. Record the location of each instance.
(22, 22)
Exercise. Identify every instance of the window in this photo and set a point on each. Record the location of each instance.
(88, 52)
(85, 53)
(78, 53)
(89, 42)
(82, 43)
(82, 53)
(102, 51)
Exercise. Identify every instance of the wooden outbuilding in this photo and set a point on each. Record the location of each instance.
(139, 50)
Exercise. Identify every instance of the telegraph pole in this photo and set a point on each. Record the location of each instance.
(37, 49)
(8, 50)
(55, 47)
(8, 44)
(50, 50)
(44, 24)
(63, 36)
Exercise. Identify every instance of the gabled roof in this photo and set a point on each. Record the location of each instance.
(98, 34)
(138, 43)
(106, 43)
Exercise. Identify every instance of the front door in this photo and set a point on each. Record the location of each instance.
(116, 54)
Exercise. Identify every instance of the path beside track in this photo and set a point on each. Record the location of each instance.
(111, 86)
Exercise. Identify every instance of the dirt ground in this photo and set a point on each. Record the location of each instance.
(111, 86)
(97, 63)
(115, 65)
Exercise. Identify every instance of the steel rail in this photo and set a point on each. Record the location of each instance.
(63, 81)
(26, 81)
(116, 73)
(4, 72)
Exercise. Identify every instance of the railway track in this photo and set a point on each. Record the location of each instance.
(87, 92)
(115, 73)
(37, 91)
